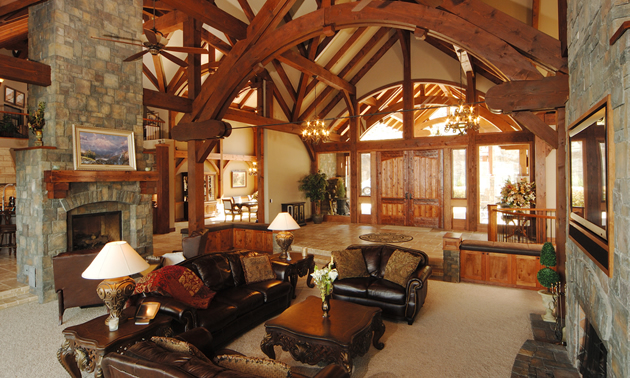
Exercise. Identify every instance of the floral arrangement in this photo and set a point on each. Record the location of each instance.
(518, 194)
(36, 120)
(324, 278)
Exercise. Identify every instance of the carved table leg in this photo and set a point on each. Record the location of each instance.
(309, 278)
(346, 362)
(266, 345)
(379, 329)
(66, 358)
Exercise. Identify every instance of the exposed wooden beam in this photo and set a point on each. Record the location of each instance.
(159, 72)
(302, 64)
(534, 124)
(535, 13)
(16, 5)
(281, 102)
(14, 31)
(537, 45)
(535, 95)
(170, 22)
(215, 42)
(166, 101)
(285, 79)
(147, 72)
(211, 15)
(24, 71)
(209, 129)
(247, 9)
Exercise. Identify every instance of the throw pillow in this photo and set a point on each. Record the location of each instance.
(350, 263)
(177, 282)
(260, 367)
(400, 266)
(257, 268)
(179, 346)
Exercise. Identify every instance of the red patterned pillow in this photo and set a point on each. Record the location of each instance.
(177, 282)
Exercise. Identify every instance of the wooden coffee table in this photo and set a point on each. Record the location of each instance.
(87, 343)
(310, 338)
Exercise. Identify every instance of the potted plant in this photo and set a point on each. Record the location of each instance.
(341, 197)
(314, 187)
(548, 277)
(36, 122)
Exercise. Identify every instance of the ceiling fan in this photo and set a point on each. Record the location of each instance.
(155, 43)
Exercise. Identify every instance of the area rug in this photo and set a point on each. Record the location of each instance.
(386, 237)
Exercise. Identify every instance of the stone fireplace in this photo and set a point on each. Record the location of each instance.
(95, 88)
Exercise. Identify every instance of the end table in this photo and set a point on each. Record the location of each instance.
(298, 266)
(86, 344)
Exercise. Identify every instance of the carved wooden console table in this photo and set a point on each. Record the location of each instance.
(87, 343)
(345, 334)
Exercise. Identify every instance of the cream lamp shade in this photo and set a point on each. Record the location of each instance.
(114, 264)
(116, 259)
(283, 222)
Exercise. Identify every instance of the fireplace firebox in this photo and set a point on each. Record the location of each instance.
(593, 355)
(87, 231)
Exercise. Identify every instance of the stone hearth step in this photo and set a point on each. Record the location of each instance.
(16, 297)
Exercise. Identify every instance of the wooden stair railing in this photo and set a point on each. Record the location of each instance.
(521, 225)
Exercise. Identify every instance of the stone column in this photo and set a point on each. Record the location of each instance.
(450, 249)
(91, 86)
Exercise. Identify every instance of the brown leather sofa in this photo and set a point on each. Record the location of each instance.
(237, 306)
(147, 359)
(397, 302)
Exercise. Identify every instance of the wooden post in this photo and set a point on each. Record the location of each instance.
(562, 197)
(192, 38)
(472, 172)
(163, 195)
(195, 187)
(448, 188)
(408, 116)
(354, 164)
(492, 222)
(540, 152)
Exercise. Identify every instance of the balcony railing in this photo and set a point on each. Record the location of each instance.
(523, 225)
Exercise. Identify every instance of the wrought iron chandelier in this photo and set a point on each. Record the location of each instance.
(315, 131)
(462, 118)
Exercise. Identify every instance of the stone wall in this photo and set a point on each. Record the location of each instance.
(91, 86)
(596, 70)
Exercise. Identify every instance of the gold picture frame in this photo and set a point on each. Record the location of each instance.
(99, 149)
(19, 99)
(9, 95)
(239, 179)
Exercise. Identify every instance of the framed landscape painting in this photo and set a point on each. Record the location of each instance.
(98, 149)
(239, 179)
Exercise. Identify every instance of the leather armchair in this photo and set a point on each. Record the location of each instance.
(146, 359)
(397, 302)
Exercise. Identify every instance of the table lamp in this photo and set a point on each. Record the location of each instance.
(284, 223)
(114, 264)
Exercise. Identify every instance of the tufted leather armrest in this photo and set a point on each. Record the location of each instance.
(179, 311)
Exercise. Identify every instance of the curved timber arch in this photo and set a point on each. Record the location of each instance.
(246, 58)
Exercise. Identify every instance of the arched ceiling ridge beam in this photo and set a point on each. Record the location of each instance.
(239, 66)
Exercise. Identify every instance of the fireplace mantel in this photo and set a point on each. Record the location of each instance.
(58, 182)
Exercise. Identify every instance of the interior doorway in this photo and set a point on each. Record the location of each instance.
(411, 188)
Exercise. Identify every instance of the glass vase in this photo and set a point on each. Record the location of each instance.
(325, 305)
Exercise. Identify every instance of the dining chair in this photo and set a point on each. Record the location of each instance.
(229, 209)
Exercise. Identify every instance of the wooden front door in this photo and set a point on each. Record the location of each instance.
(411, 188)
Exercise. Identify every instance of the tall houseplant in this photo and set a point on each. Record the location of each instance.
(548, 277)
(314, 187)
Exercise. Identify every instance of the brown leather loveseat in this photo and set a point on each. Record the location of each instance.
(396, 301)
(237, 306)
(150, 360)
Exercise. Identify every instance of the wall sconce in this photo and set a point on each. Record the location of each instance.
(253, 170)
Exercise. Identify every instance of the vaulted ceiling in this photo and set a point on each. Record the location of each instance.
(316, 52)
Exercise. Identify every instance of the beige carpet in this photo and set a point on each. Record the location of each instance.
(463, 330)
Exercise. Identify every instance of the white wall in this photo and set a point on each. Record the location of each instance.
(286, 161)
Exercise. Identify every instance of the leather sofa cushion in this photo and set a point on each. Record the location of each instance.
(244, 299)
(271, 289)
(385, 291)
(353, 287)
(216, 316)
(215, 271)
(372, 256)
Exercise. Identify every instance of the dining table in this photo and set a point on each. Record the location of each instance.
(247, 204)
